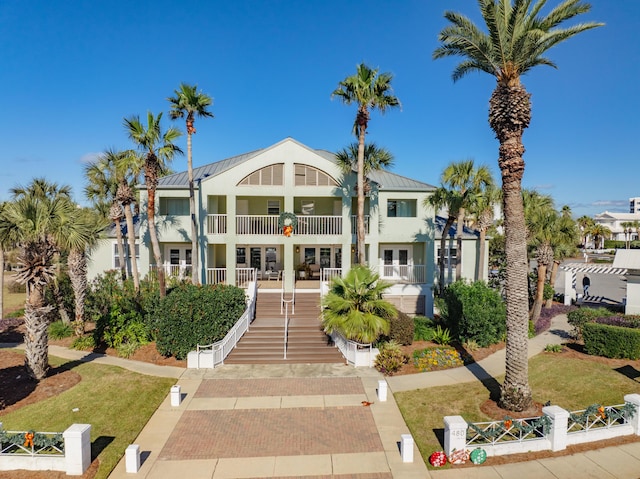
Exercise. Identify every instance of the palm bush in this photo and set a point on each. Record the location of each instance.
(354, 306)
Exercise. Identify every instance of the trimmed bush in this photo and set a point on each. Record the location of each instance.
(474, 312)
(611, 341)
(402, 329)
(192, 315)
(581, 316)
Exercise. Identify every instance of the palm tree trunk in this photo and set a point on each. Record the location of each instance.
(443, 247)
(360, 187)
(552, 281)
(120, 243)
(155, 245)
(459, 231)
(36, 339)
(131, 237)
(1, 283)
(482, 254)
(62, 311)
(78, 275)
(537, 303)
(195, 270)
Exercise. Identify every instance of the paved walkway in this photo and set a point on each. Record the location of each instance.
(319, 421)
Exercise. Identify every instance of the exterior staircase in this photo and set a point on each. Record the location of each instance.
(264, 342)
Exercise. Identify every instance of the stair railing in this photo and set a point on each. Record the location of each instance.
(292, 300)
(286, 324)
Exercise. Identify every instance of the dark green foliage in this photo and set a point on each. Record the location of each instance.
(59, 330)
(402, 329)
(474, 312)
(423, 328)
(611, 341)
(60, 293)
(192, 315)
(548, 292)
(581, 316)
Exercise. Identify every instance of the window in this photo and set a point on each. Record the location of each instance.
(309, 176)
(450, 257)
(241, 256)
(310, 255)
(116, 257)
(273, 207)
(325, 257)
(268, 176)
(401, 208)
(174, 206)
(174, 256)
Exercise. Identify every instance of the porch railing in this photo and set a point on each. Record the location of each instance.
(180, 271)
(416, 273)
(216, 275)
(319, 225)
(327, 274)
(216, 224)
(354, 224)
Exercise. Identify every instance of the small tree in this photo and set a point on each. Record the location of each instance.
(354, 306)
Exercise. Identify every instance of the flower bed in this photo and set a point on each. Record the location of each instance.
(440, 357)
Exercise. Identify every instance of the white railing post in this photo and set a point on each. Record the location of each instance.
(635, 420)
(559, 422)
(455, 434)
(77, 448)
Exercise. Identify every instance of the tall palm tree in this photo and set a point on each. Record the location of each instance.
(468, 180)
(599, 233)
(584, 223)
(483, 209)
(354, 306)
(444, 198)
(42, 226)
(516, 40)
(158, 148)
(369, 90)
(189, 103)
(101, 190)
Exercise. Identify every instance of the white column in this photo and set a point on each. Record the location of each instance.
(77, 448)
(455, 434)
(635, 420)
(559, 421)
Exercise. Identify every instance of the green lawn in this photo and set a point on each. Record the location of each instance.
(116, 402)
(572, 384)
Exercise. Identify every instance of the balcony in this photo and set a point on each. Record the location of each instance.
(402, 273)
(354, 224)
(311, 225)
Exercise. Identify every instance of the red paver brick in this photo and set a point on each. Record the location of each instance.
(272, 432)
(278, 387)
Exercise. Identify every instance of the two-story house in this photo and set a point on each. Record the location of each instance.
(241, 203)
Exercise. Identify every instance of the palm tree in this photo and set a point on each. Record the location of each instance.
(584, 223)
(444, 198)
(7, 242)
(375, 158)
(101, 190)
(370, 90)
(354, 306)
(467, 180)
(190, 103)
(92, 225)
(516, 40)
(158, 149)
(41, 226)
(599, 233)
(483, 209)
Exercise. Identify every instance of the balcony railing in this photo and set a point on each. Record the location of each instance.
(216, 224)
(354, 224)
(319, 225)
(415, 274)
(307, 225)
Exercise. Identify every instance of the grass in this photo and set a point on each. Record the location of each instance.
(12, 301)
(572, 384)
(116, 402)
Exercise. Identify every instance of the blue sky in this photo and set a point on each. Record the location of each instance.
(71, 71)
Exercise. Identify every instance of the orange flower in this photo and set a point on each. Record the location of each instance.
(508, 423)
(28, 439)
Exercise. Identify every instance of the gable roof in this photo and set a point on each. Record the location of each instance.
(385, 179)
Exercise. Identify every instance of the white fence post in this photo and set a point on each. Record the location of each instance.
(176, 396)
(559, 421)
(132, 458)
(406, 447)
(382, 390)
(77, 448)
(455, 434)
(635, 420)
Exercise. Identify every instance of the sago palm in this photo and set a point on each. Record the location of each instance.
(354, 306)
(516, 39)
(158, 149)
(190, 103)
(369, 90)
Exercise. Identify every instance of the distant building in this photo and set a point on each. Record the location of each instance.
(614, 221)
(634, 205)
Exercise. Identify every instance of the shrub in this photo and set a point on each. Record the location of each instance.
(423, 328)
(581, 316)
(441, 336)
(471, 345)
(611, 341)
(59, 330)
(15, 314)
(553, 348)
(192, 315)
(84, 343)
(390, 359)
(402, 329)
(474, 311)
(548, 292)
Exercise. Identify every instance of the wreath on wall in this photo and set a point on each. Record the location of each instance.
(287, 222)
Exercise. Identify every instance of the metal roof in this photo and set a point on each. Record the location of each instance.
(467, 233)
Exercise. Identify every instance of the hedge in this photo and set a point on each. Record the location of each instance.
(611, 341)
